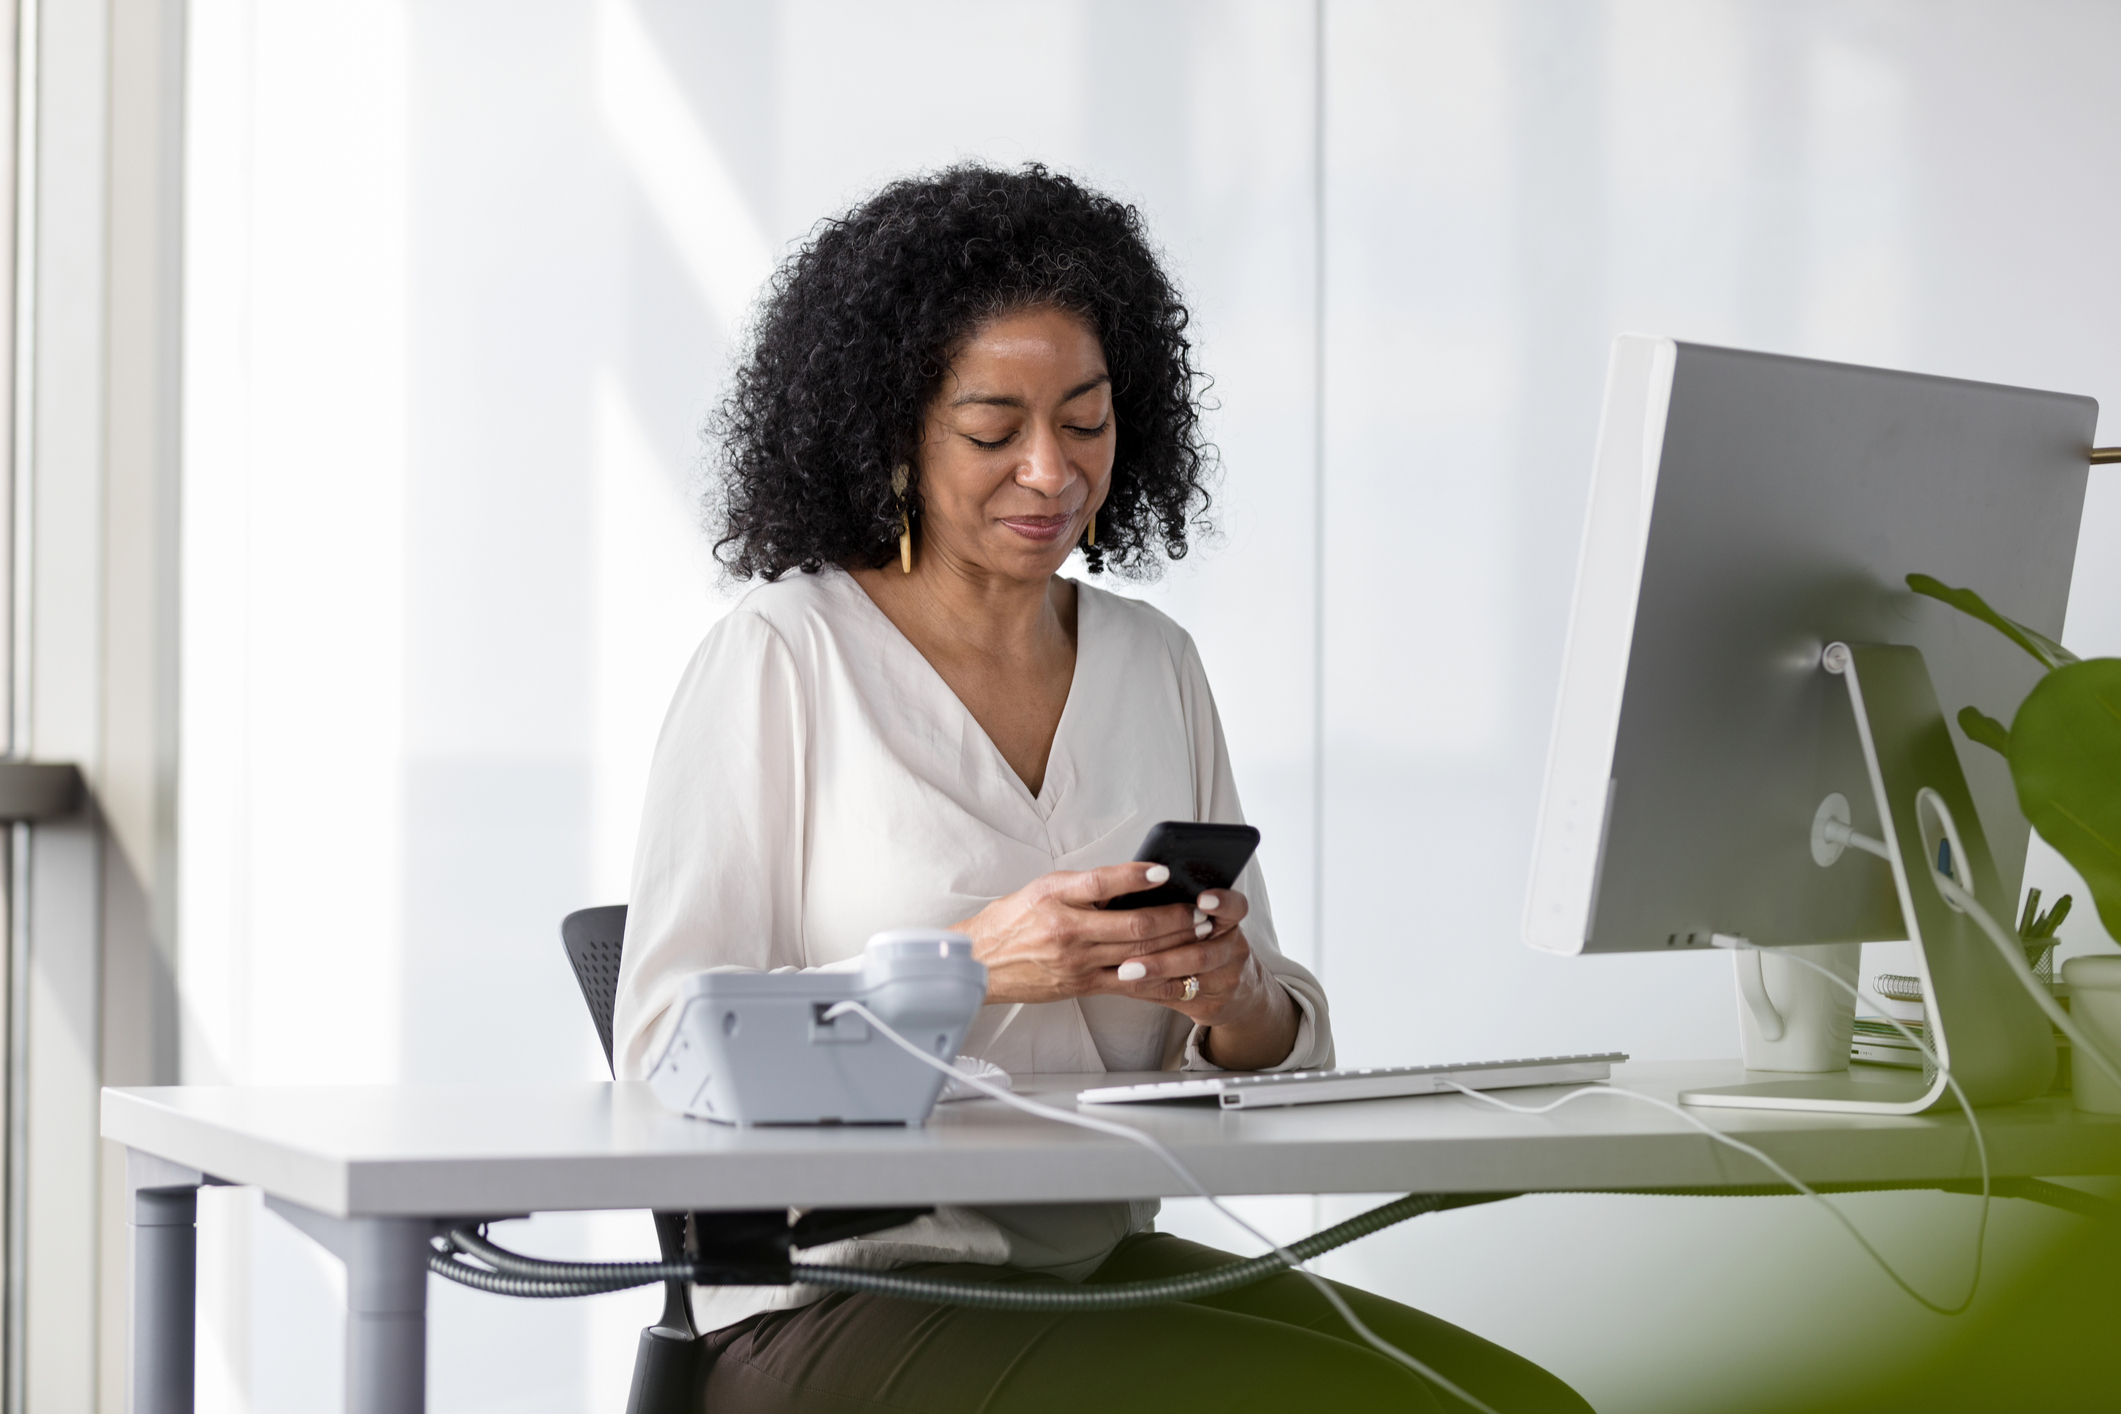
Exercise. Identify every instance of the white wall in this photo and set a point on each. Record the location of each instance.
(463, 277)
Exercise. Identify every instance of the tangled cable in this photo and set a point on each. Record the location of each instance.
(507, 1273)
(466, 1256)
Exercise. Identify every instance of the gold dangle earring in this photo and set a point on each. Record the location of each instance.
(1093, 527)
(899, 481)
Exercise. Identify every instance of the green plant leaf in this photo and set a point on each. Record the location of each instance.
(2066, 761)
(2049, 653)
(1981, 727)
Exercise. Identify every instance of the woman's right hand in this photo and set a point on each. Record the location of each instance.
(1049, 940)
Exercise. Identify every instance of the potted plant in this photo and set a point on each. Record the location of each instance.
(2063, 746)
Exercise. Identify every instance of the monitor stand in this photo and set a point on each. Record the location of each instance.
(1978, 1018)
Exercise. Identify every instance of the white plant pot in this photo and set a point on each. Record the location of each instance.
(2095, 1005)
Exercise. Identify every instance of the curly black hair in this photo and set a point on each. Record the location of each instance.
(857, 329)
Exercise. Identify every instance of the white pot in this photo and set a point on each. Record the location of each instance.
(2095, 1005)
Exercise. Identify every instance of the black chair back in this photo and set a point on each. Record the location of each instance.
(667, 1360)
(594, 938)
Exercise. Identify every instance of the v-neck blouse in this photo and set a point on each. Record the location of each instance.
(817, 781)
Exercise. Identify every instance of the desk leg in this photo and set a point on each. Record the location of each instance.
(162, 1245)
(386, 1315)
(164, 1236)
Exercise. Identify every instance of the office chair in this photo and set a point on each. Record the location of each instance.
(666, 1361)
(666, 1364)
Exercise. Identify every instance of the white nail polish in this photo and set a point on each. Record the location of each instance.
(1132, 971)
(1157, 874)
(1199, 918)
(1210, 901)
(1202, 930)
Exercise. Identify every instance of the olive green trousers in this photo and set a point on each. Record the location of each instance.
(1273, 1346)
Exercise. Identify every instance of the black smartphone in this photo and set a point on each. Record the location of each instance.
(1200, 858)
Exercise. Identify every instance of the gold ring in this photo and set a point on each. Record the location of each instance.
(1191, 991)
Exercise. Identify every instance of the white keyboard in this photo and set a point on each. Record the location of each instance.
(1314, 1087)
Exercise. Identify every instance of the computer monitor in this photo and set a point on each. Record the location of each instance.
(1748, 510)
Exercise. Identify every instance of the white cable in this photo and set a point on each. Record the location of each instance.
(1776, 1169)
(1965, 1106)
(2014, 955)
(1149, 1142)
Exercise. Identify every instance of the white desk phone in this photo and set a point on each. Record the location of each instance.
(759, 1047)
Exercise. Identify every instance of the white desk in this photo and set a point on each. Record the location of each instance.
(369, 1171)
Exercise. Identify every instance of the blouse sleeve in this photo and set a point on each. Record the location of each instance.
(717, 872)
(1216, 790)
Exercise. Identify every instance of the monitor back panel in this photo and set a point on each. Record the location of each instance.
(1781, 509)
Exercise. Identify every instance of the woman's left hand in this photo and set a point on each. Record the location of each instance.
(1252, 1018)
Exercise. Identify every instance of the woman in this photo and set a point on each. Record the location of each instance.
(917, 720)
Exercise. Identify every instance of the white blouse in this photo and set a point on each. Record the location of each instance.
(817, 781)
